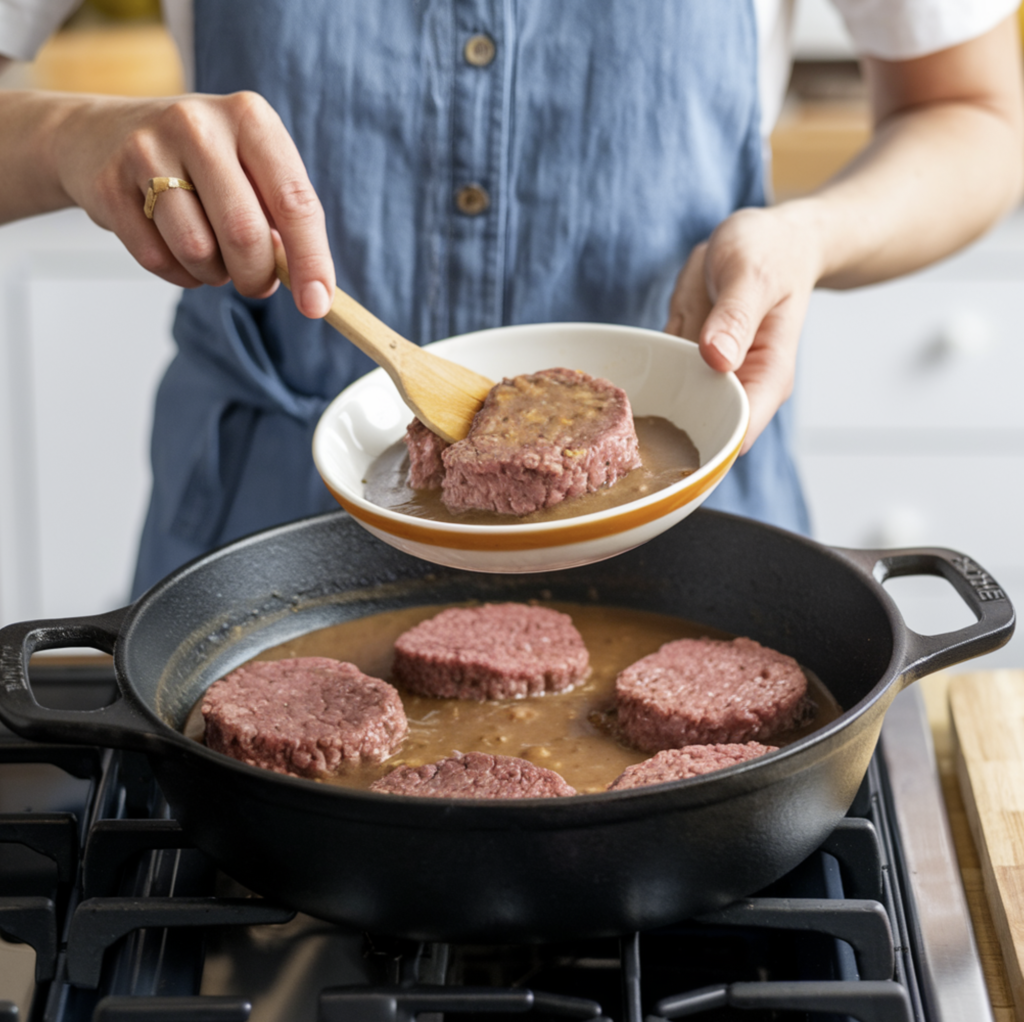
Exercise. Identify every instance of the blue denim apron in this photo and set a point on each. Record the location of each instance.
(610, 138)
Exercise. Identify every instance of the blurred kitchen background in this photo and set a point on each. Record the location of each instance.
(911, 422)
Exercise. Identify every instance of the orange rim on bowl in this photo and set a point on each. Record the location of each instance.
(517, 538)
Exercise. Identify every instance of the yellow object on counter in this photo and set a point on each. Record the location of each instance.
(127, 9)
(116, 60)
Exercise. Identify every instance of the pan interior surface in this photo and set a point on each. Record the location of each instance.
(724, 573)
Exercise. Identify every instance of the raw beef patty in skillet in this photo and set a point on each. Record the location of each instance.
(497, 651)
(710, 691)
(305, 716)
(691, 761)
(475, 775)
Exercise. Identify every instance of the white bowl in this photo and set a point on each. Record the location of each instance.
(663, 375)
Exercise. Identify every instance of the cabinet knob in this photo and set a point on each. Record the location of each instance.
(899, 527)
(963, 334)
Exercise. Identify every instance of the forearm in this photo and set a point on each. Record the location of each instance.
(945, 162)
(930, 181)
(99, 153)
(30, 124)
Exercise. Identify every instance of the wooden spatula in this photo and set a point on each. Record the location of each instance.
(444, 395)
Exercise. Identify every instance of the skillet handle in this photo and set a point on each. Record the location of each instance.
(121, 725)
(925, 654)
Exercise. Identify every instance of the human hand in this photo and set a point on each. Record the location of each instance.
(743, 294)
(249, 180)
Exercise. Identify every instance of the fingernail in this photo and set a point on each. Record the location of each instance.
(726, 346)
(316, 302)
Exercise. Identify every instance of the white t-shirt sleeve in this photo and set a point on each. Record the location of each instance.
(889, 29)
(904, 29)
(178, 17)
(26, 24)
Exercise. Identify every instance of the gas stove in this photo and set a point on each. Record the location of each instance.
(128, 922)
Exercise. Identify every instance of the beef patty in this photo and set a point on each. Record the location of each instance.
(497, 651)
(691, 761)
(304, 717)
(475, 775)
(708, 691)
(537, 440)
(426, 468)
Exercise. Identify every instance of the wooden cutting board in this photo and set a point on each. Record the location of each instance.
(987, 710)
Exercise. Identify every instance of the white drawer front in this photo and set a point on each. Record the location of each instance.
(972, 504)
(914, 354)
(84, 338)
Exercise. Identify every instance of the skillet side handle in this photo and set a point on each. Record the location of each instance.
(121, 725)
(925, 654)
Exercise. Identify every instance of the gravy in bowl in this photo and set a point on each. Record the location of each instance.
(667, 453)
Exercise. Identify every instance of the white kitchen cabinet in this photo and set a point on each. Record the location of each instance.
(911, 422)
(920, 354)
(84, 339)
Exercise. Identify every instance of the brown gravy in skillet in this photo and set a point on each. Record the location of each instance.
(572, 733)
(667, 453)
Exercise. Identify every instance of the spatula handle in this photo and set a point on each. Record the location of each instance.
(371, 336)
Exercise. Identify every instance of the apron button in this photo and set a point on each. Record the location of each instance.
(479, 50)
(472, 200)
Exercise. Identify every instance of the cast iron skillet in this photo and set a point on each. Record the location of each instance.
(439, 869)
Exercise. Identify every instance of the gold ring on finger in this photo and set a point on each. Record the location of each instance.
(162, 184)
